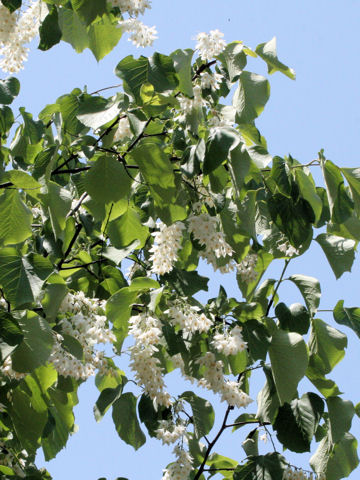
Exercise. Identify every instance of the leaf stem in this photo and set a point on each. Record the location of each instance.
(287, 261)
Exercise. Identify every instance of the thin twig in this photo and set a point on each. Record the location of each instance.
(105, 88)
(287, 261)
(68, 250)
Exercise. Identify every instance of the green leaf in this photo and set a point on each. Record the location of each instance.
(15, 218)
(22, 277)
(11, 5)
(310, 290)
(352, 175)
(9, 89)
(339, 251)
(10, 334)
(106, 399)
(126, 229)
(296, 423)
(143, 283)
(349, 316)
(151, 417)
(96, 111)
(57, 201)
(36, 346)
(294, 319)
(289, 360)
(117, 255)
(110, 173)
(89, 10)
(126, 422)
(233, 59)
(264, 467)
(341, 206)
(280, 175)
(250, 97)
(326, 346)
(267, 399)
(182, 64)
(203, 413)
(6, 120)
(341, 413)
(24, 181)
(308, 191)
(267, 51)
(104, 34)
(118, 311)
(218, 147)
(186, 283)
(50, 33)
(73, 30)
(158, 70)
(257, 338)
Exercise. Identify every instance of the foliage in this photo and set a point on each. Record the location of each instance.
(160, 177)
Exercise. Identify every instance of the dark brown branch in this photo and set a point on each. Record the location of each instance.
(71, 244)
(82, 265)
(103, 89)
(7, 184)
(202, 68)
(138, 138)
(77, 206)
(211, 444)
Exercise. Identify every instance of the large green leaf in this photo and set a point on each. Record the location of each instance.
(9, 89)
(126, 229)
(310, 290)
(352, 175)
(89, 10)
(106, 399)
(96, 111)
(10, 334)
(73, 29)
(341, 205)
(307, 189)
(182, 64)
(104, 34)
(267, 51)
(339, 251)
(218, 147)
(341, 413)
(50, 33)
(250, 97)
(264, 467)
(15, 218)
(118, 311)
(296, 423)
(326, 346)
(36, 346)
(57, 201)
(349, 316)
(203, 413)
(158, 70)
(295, 318)
(22, 277)
(126, 422)
(107, 180)
(233, 59)
(267, 399)
(289, 360)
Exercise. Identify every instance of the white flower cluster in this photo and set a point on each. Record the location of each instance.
(147, 333)
(187, 105)
(188, 318)
(246, 268)
(7, 370)
(179, 470)
(140, 34)
(229, 343)
(213, 379)
(205, 196)
(123, 130)
(169, 432)
(299, 474)
(16, 30)
(84, 321)
(167, 244)
(287, 249)
(210, 80)
(210, 44)
(205, 230)
(133, 7)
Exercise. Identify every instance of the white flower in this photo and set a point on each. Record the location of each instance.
(188, 318)
(209, 80)
(180, 469)
(246, 268)
(210, 44)
(169, 433)
(164, 251)
(287, 249)
(132, 7)
(230, 343)
(140, 35)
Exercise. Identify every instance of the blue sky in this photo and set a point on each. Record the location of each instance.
(319, 110)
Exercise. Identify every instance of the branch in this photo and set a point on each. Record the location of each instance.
(77, 206)
(138, 138)
(277, 286)
(103, 89)
(202, 68)
(211, 444)
(7, 184)
(82, 265)
(68, 250)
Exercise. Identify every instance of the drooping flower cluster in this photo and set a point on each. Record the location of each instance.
(229, 343)
(210, 44)
(205, 229)
(204, 195)
(169, 432)
(188, 318)
(299, 474)
(246, 268)
(180, 469)
(83, 319)
(141, 35)
(16, 462)
(213, 379)
(133, 7)
(167, 244)
(147, 333)
(17, 30)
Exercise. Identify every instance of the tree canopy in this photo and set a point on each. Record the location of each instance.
(109, 206)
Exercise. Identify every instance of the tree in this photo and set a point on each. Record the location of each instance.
(162, 176)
